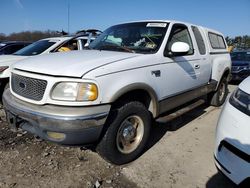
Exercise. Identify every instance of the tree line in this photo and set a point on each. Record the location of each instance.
(30, 36)
(239, 42)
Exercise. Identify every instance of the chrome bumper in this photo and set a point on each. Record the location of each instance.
(80, 125)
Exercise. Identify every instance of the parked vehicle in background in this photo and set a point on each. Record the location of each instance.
(230, 48)
(108, 95)
(44, 46)
(12, 46)
(232, 151)
(240, 65)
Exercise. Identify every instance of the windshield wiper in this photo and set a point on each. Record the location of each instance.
(117, 48)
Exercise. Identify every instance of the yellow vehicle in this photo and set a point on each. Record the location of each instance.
(230, 48)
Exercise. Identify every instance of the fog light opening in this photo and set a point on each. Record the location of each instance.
(56, 135)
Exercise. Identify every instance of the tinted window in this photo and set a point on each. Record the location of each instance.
(35, 48)
(14, 48)
(2, 51)
(180, 33)
(199, 40)
(2, 45)
(216, 41)
(240, 56)
(7, 50)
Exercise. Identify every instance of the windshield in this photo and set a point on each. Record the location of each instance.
(35, 48)
(240, 56)
(142, 37)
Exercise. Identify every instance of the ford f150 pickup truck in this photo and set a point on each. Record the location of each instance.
(109, 94)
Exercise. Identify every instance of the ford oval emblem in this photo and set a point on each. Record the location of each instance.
(22, 85)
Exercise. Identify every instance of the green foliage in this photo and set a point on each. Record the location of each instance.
(28, 35)
(239, 42)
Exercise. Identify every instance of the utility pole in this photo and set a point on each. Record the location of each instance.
(68, 15)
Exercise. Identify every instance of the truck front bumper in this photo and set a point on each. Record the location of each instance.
(60, 124)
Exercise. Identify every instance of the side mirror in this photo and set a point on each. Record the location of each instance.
(86, 45)
(179, 49)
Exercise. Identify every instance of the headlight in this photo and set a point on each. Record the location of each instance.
(73, 91)
(241, 100)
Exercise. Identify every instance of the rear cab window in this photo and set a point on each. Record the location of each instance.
(216, 41)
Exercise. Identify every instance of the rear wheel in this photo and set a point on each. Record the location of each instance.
(127, 133)
(218, 98)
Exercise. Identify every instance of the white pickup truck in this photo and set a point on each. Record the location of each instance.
(108, 95)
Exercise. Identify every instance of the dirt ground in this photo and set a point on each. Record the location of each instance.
(180, 154)
(26, 161)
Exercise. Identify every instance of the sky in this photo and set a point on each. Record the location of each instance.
(231, 17)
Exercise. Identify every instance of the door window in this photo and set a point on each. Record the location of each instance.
(180, 33)
(68, 46)
(199, 40)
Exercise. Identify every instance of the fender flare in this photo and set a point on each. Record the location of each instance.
(222, 76)
(139, 86)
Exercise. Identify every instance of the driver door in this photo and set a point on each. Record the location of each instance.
(180, 74)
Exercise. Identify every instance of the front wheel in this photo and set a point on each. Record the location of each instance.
(127, 133)
(218, 98)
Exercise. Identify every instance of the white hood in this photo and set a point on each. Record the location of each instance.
(7, 60)
(74, 63)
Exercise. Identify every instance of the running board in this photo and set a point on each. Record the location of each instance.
(180, 112)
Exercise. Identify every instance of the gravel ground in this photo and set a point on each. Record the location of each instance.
(180, 154)
(26, 161)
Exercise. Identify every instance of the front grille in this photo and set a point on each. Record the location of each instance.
(30, 88)
(239, 68)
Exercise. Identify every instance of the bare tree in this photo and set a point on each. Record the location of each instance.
(28, 35)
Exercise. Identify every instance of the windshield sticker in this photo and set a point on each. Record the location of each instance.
(156, 24)
(54, 40)
(150, 45)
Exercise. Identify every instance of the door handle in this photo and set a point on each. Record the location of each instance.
(157, 73)
(196, 66)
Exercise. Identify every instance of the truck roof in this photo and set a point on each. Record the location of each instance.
(67, 37)
(176, 21)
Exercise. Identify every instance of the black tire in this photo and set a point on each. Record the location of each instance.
(4, 85)
(109, 147)
(218, 98)
(7, 86)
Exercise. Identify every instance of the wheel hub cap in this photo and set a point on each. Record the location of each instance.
(130, 134)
